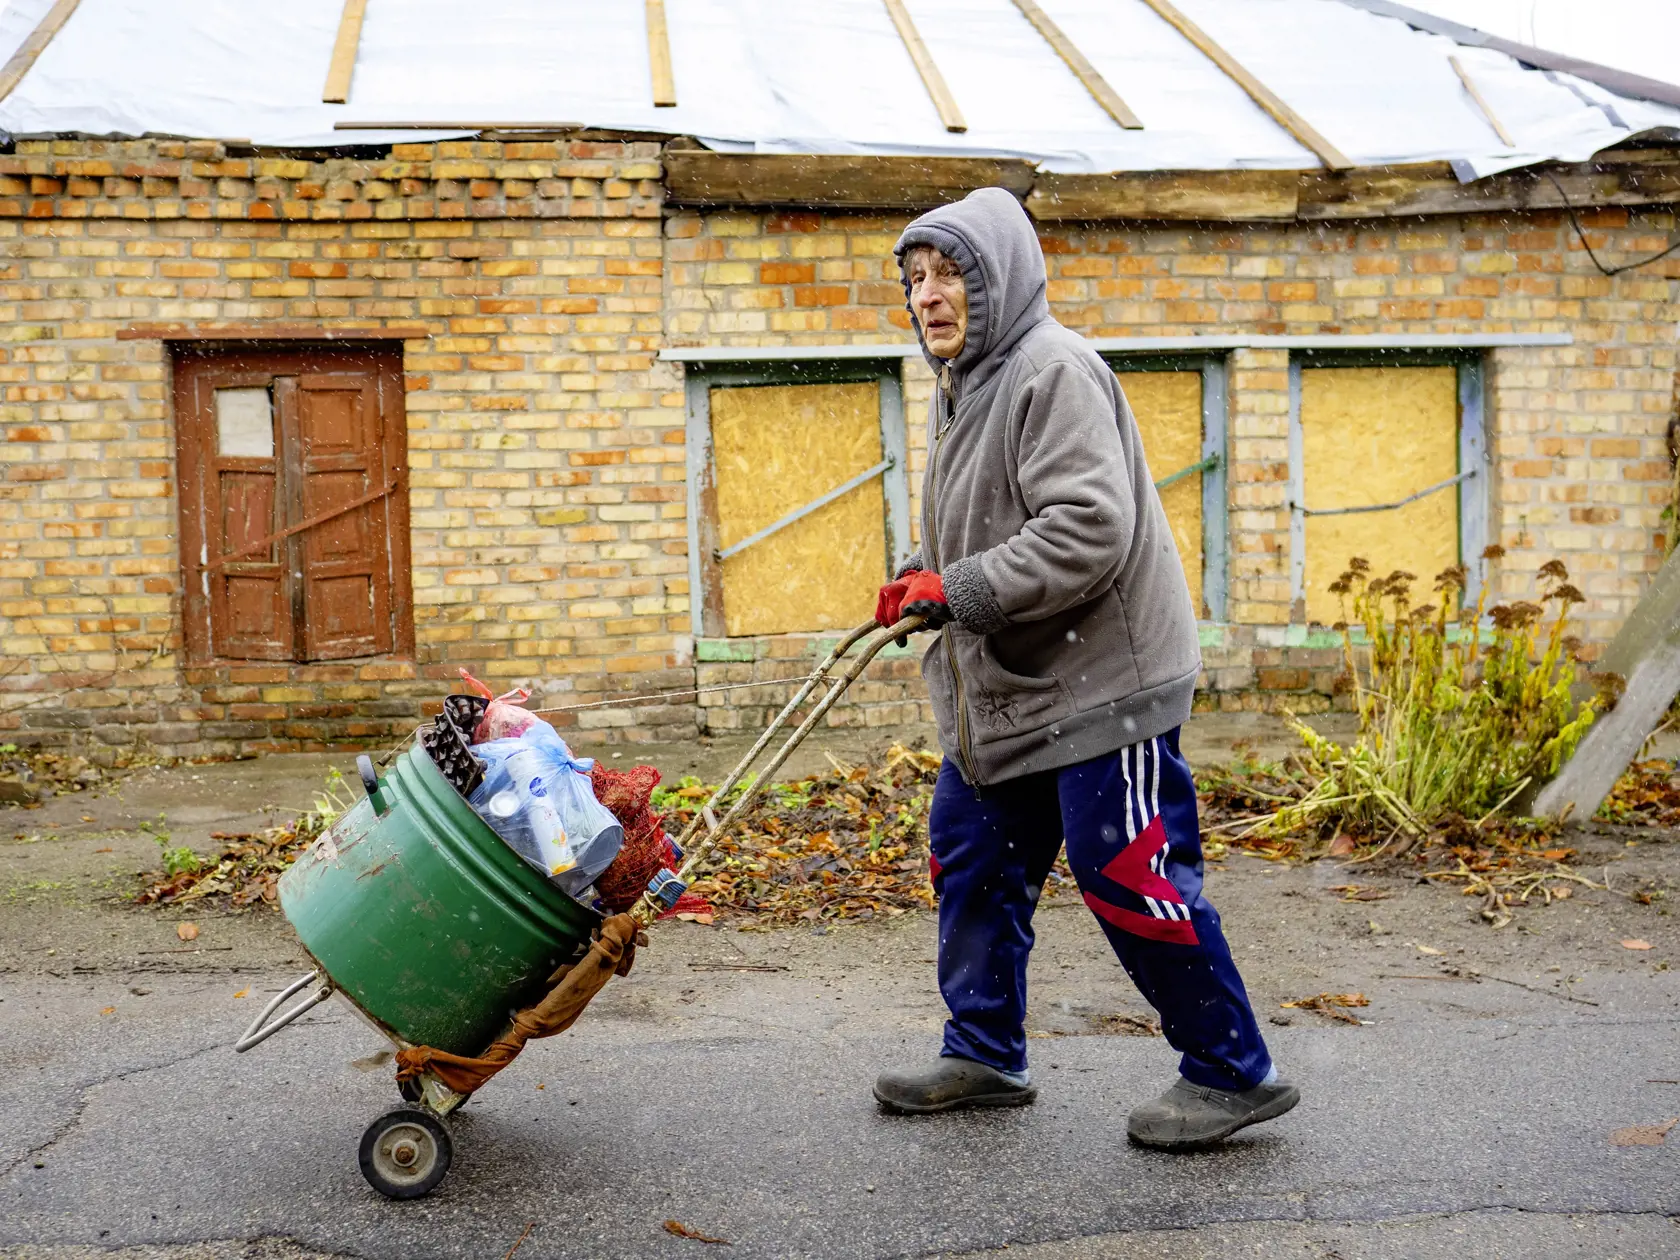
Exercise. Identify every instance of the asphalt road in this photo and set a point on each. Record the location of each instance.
(1467, 1120)
(1464, 1120)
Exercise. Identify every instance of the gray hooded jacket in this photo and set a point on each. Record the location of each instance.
(1073, 634)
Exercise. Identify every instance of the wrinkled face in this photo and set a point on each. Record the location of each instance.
(939, 300)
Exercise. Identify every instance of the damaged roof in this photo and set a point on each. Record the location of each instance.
(1376, 82)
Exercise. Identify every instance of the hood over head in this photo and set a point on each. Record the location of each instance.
(991, 239)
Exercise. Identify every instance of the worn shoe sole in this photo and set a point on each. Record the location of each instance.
(1270, 1111)
(1013, 1098)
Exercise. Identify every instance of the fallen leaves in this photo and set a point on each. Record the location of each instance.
(849, 844)
(109, 1010)
(688, 1231)
(1359, 892)
(1129, 1025)
(1642, 1134)
(187, 931)
(243, 993)
(247, 871)
(1633, 942)
(35, 773)
(1647, 795)
(1334, 1005)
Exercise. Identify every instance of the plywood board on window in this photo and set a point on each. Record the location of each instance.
(1376, 435)
(775, 449)
(1168, 407)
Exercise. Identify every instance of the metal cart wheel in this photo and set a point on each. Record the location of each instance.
(405, 1153)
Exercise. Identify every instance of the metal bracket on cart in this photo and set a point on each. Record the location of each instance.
(261, 1030)
(427, 1091)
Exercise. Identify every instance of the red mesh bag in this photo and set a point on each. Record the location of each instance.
(646, 849)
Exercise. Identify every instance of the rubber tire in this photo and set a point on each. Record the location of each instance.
(411, 1090)
(428, 1178)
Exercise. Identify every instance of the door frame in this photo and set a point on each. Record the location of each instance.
(194, 420)
(705, 600)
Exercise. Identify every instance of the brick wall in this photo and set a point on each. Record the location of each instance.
(1581, 470)
(546, 443)
(545, 447)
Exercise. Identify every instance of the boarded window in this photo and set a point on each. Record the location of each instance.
(1370, 436)
(775, 450)
(294, 512)
(1168, 409)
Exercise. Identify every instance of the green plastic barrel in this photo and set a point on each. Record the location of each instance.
(419, 913)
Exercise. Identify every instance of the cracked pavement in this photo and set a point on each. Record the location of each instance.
(1466, 1119)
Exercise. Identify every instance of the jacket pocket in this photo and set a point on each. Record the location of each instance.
(1005, 703)
(942, 691)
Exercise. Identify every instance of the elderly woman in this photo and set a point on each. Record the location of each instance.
(1066, 665)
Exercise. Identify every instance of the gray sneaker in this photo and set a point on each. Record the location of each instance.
(1188, 1116)
(949, 1084)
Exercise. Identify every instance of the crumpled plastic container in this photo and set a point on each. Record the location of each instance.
(537, 797)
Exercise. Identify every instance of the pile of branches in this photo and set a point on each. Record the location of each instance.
(848, 844)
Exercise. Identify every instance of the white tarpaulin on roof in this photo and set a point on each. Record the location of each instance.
(772, 76)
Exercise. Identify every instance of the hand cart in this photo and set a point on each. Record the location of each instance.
(418, 915)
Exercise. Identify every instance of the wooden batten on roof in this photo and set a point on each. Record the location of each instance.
(1258, 92)
(702, 178)
(1081, 66)
(932, 79)
(1481, 102)
(11, 74)
(342, 68)
(659, 55)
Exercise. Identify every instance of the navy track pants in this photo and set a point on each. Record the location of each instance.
(1129, 821)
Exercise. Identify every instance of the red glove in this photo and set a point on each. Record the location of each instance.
(924, 597)
(891, 599)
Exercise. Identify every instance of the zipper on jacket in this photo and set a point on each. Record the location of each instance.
(965, 755)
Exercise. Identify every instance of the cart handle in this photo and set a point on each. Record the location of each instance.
(259, 1031)
(668, 885)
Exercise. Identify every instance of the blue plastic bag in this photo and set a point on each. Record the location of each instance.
(537, 797)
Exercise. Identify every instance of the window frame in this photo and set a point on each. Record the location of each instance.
(1214, 370)
(700, 378)
(193, 366)
(1475, 494)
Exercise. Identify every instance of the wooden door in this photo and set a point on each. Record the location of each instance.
(300, 451)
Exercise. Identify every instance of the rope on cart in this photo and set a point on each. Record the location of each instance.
(665, 695)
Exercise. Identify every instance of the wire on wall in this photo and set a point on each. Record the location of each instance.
(1575, 222)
